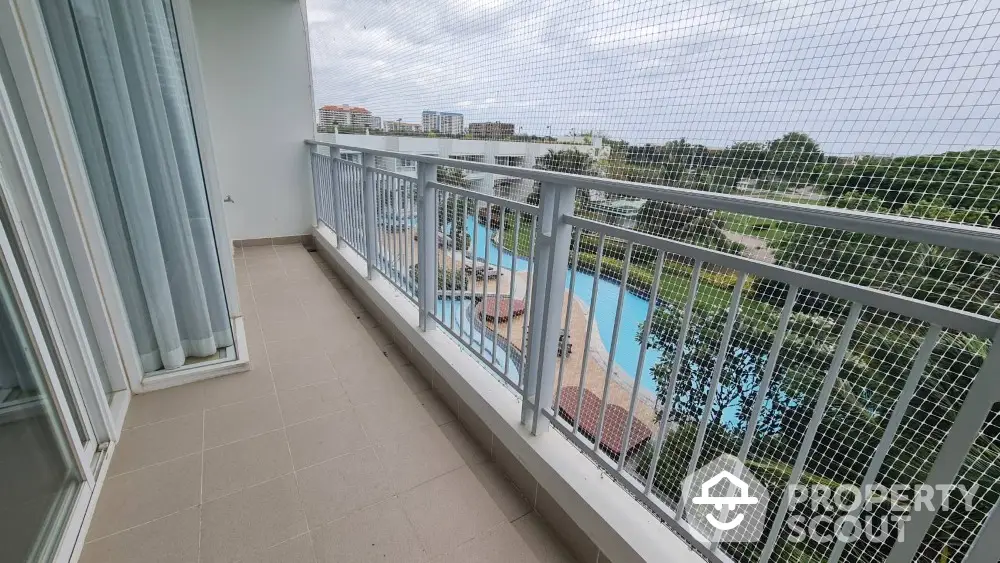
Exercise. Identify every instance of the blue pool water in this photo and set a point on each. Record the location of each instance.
(634, 308)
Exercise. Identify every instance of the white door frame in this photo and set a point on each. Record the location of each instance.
(37, 79)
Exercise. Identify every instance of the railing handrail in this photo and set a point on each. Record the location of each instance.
(924, 231)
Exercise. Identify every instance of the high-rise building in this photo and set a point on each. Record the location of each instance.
(402, 126)
(452, 123)
(491, 129)
(431, 121)
(347, 116)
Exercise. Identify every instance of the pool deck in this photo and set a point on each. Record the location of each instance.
(596, 374)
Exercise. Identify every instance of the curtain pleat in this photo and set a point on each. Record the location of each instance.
(122, 74)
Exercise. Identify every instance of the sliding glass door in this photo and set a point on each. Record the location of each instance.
(46, 436)
(119, 63)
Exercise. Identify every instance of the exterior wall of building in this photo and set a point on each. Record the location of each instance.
(430, 120)
(476, 150)
(255, 62)
(452, 123)
(491, 129)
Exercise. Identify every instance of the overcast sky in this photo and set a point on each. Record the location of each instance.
(885, 77)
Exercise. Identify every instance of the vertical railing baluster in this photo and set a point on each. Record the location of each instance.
(526, 361)
(337, 198)
(895, 419)
(591, 321)
(819, 410)
(982, 395)
(317, 182)
(758, 404)
(986, 545)
(427, 243)
(486, 276)
(668, 399)
(570, 297)
(713, 386)
(513, 284)
(553, 238)
(615, 333)
(640, 365)
(368, 196)
(496, 286)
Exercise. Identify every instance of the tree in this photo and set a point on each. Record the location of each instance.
(568, 160)
(688, 224)
(954, 278)
(451, 206)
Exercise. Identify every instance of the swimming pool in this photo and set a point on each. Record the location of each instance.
(633, 307)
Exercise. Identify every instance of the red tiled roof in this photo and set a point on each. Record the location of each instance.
(614, 421)
(352, 109)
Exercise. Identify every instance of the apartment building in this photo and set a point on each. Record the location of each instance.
(431, 121)
(347, 116)
(446, 123)
(452, 124)
(491, 130)
(401, 127)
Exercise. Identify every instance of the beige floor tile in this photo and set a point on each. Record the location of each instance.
(377, 384)
(342, 485)
(284, 351)
(498, 545)
(464, 444)
(302, 371)
(236, 526)
(386, 419)
(541, 540)
(137, 497)
(417, 456)
(278, 311)
(375, 534)
(326, 437)
(157, 442)
(359, 357)
(298, 329)
(305, 403)
(172, 539)
(451, 510)
(146, 408)
(296, 550)
(435, 407)
(502, 490)
(234, 467)
(238, 387)
(241, 420)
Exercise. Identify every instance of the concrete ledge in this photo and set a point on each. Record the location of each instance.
(594, 515)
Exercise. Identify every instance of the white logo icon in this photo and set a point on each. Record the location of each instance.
(724, 502)
(730, 502)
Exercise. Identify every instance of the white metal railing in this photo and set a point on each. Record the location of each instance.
(496, 268)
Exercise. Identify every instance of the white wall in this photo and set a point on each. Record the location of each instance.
(255, 65)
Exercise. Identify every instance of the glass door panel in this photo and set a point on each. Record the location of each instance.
(38, 463)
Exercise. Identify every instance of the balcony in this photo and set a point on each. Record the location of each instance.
(333, 442)
(496, 414)
(476, 355)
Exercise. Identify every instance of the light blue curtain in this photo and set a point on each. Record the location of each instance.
(121, 69)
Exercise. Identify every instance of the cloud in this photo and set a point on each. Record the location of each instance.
(859, 76)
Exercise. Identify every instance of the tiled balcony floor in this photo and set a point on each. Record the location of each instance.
(332, 448)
